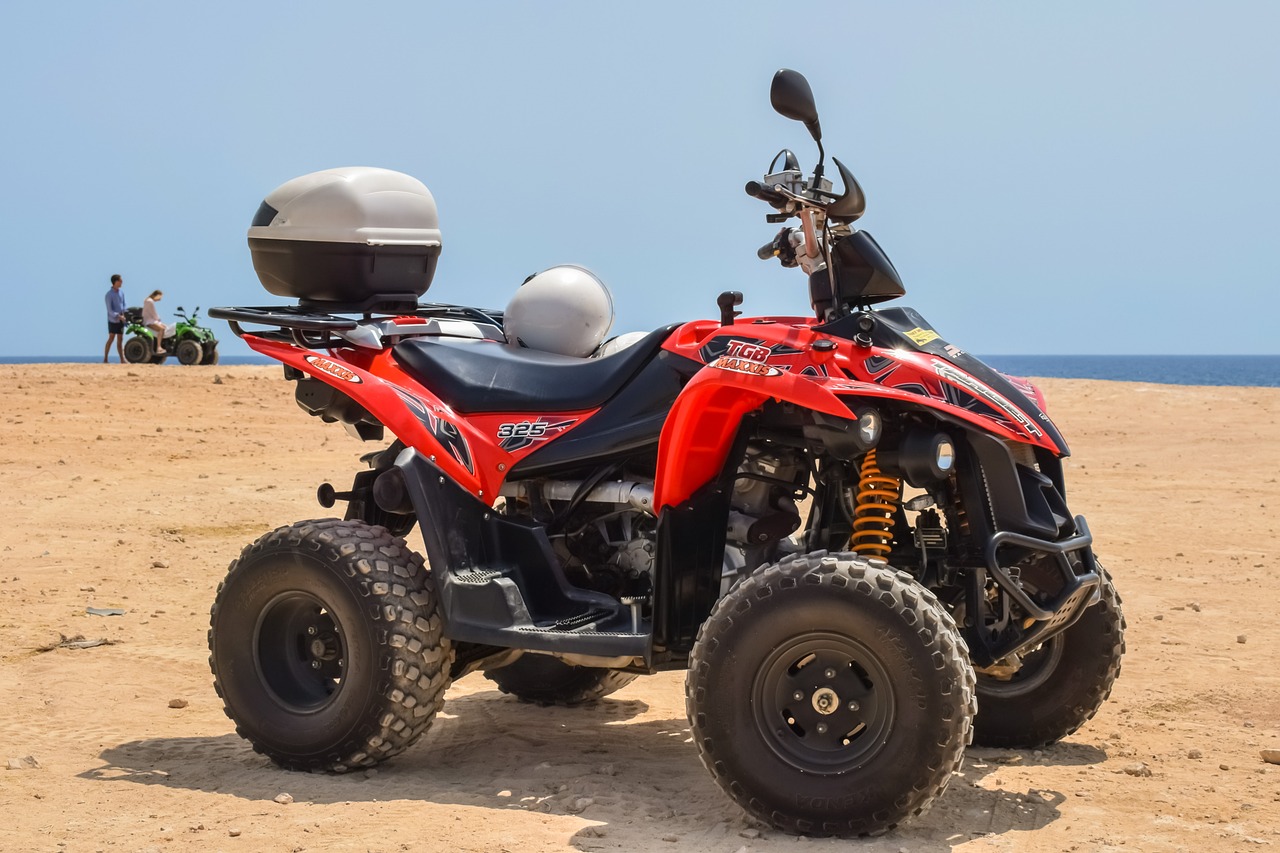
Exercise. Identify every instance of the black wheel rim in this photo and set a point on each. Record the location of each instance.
(136, 350)
(823, 703)
(1037, 668)
(300, 652)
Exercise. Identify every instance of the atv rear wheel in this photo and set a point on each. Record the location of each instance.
(830, 696)
(1060, 685)
(210, 355)
(326, 645)
(190, 352)
(138, 350)
(548, 681)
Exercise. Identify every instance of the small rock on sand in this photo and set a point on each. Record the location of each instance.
(178, 703)
(1138, 769)
(1271, 756)
(284, 799)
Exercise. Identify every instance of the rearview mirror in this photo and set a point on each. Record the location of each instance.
(792, 98)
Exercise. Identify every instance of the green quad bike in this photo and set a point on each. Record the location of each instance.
(190, 342)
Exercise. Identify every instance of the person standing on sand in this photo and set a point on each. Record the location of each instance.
(115, 318)
(151, 319)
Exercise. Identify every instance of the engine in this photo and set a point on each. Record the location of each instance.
(604, 531)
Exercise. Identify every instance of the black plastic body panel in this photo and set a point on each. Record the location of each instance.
(499, 581)
(1021, 499)
(862, 272)
(691, 539)
(629, 422)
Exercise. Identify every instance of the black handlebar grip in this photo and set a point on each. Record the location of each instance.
(768, 250)
(755, 189)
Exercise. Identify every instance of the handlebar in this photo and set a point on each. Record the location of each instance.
(768, 250)
(755, 189)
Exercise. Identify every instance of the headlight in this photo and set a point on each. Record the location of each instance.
(869, 426)
(846, 438)
(922, 458)
(944, 455)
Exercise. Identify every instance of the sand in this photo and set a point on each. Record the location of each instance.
(132, 487)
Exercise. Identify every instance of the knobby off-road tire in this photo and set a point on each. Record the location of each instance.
(190, 352)
(326, 645)
(1061, 685)
(830, 696)
(138, 350)
(548, 681)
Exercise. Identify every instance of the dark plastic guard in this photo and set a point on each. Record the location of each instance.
(477, 377)
(499, 581)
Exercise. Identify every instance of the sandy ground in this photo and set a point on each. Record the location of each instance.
(133, 487)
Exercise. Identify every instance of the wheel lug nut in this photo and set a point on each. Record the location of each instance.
(315, 664)
(822, 728)
(853, 706)
(311, 630)
(798, 696)
(830, 673)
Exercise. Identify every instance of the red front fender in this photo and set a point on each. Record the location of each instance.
(704, 420)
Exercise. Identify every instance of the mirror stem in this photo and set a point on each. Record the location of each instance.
(817, 170)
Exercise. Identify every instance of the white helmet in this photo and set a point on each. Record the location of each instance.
(565, 310)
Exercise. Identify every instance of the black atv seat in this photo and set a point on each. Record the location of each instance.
(487, 376)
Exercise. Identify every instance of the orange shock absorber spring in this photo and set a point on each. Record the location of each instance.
(877, 500)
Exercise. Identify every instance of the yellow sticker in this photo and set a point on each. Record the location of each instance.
(922, 336)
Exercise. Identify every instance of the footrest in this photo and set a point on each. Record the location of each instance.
(482, 576)
(571, 622)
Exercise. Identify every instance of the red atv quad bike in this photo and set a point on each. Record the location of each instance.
(851, 533)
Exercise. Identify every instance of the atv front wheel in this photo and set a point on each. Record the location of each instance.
(138, 350)
(326, 645)
(190, 352)
(547, 681)
(830, 696)
(1061, 684)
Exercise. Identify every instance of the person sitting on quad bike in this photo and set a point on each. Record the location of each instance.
(151, 319)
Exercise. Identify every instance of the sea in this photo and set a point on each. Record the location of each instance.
(1237, 370)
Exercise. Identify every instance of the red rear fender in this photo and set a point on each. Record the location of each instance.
(415, 416)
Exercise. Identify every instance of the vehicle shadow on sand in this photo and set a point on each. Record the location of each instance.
(635, 781)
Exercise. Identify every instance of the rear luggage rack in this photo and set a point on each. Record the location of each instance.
(292, 322)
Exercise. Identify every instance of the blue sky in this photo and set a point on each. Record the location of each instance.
(1092, 177)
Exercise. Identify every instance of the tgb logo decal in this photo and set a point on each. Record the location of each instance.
(750, 352)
